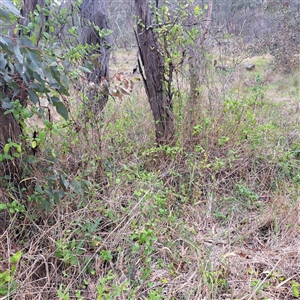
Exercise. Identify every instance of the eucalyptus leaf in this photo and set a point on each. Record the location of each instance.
(6, 77)
(27, 42)
(31, 159)
(83, 69)
(55, 73)
(2, 41)
(64, 181)
(4, 15)
(6, 41)
(10, 6)
(34, 63)
(42, 82)
(35, 86)
(6, 104)
(76, 186)
(3, 61)
(52, 100)
(11, 69)
(33, 96)
(22, 70)
(18, 54)
(61, 109)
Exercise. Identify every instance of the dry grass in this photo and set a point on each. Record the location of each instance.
(195, 257)
(215, 217)
(124, 61)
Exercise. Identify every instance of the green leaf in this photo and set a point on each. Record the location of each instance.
(31, 159)
(42, 82)
(3, 290)
(10, 6)
(26, 113)
(89, 65)
(16, 89)
(33, 144)
(10, 67)
(295, 290)
(30, 25)
(95, 55)
(18, 54)
(16, 257)
(33, 96)
(83, 69)
(2, 41)
(64, 181)
(35, 87)
(48, 74)
(9, 42)
(76, 185)
(6, 148)
(4, 15)
(42, 135)
(3, 206)
(6, 77)
(6, 104)
(46, 35)
(23, 71)
(3, 61)
(55, 73)
(27, 42)
(34, 62)
(73, 260)
(60, 107)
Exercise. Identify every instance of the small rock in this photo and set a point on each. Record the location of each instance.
(249, 66)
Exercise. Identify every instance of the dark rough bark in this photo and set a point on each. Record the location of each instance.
(28, 6)
(9, 129)
(152, 63)
(94, 14)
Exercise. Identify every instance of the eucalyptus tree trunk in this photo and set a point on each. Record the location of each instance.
(10, 129)
(152, 67)
(28, 7)
(94, 17)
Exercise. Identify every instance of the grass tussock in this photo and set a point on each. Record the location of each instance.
(104, 213)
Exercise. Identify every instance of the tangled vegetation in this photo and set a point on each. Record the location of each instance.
(91, 207)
